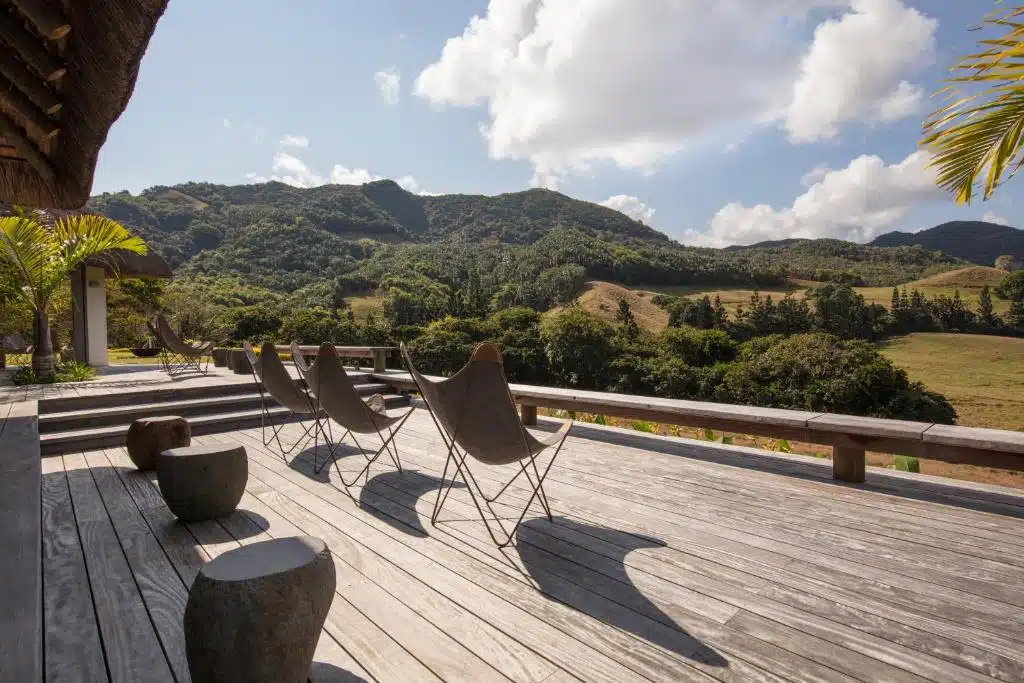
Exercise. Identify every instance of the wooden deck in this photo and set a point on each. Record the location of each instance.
(668, 560)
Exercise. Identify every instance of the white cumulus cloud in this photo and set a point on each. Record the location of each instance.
(291, 170)
(855, 68)
(298, 141)
(389, 82)
(568, 84)
(852, 203)
(631, 206)
(992, 217)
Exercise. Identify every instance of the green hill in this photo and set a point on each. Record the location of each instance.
(532, 247)
(975, 241)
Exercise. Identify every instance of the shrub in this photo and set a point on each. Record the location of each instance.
(67, 371)
(577, 344)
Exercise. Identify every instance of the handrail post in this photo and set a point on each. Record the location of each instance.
(380, 360)
(848, 464)
(528, 414)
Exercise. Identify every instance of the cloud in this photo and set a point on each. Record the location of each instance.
(389, 81)
(298, 141)
(992, 217)
(568, 85)
(853, 203)
(855, 69)
(631, 206)
(291, 170)
(814, 176)
(226, 123)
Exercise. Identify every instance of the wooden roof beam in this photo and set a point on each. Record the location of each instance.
(46, 126)
(13, 135)
(30, 47)
(46, 15)
(28, 83)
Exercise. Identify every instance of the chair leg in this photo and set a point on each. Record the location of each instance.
(387, 444)
(474, 488)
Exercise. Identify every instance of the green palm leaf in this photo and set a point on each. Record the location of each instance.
(982, 134)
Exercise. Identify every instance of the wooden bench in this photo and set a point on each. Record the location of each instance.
(379, 354)
(849, 436)
(21, 574)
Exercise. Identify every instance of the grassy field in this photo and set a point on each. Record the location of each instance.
(363, 306)
(982, 376)
(603, 298)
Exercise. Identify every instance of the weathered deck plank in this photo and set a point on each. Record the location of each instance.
(666, 561)
(130, 641)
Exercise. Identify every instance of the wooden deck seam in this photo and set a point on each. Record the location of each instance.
(870, 635)
(135, 575)
(761, 531)
(474, 558)
(88, 572)
(475, 554)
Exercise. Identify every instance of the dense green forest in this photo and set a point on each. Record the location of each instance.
(274, 262)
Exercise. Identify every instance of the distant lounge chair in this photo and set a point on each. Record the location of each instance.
(474, 412)
(177, 357)
(337, 396)
(273, 378)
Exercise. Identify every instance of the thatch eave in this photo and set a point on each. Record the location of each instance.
(101, 53)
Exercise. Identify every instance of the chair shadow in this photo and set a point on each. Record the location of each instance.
(599, 586)
(321, 672)
(410, 482)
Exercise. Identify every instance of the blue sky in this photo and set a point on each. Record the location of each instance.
(696, 124)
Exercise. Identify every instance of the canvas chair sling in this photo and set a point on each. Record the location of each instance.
(176, 356)
(274, 382)
(476, 416)
(337, 396)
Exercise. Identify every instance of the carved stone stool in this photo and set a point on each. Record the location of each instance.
(149, 436)
(254, 614)
(202, 482)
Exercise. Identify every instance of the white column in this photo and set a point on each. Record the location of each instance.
(96, 315)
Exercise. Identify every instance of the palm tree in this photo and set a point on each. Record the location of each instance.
(41, 252)
(981, 133)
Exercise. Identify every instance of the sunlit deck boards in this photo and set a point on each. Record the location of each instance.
(723, 564)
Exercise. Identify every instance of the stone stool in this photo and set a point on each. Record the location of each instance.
(149, 436)
(254, 614)
(202, 482)
(220, 357)
(238, 363)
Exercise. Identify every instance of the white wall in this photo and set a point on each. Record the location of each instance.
(96, 315)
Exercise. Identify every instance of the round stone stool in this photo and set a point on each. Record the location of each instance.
(254, 614)
(220, 357)
(238, 363)
(149, 436)
(202, 482)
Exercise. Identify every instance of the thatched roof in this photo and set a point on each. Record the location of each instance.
(67, 71)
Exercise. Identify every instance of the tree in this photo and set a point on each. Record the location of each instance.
(624, 317)
(1011, 286)
(986, 313)
(980, 133)
(43, 252)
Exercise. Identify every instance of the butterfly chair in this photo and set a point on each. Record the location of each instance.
(176, 356)
(273, 379)
(476, 416)
(336, 395)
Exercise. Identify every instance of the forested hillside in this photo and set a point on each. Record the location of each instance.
(532, 248)
(976, 241)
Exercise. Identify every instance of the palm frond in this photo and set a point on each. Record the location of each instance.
(26, 247)
(982, 134)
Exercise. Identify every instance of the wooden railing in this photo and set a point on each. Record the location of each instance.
(379, 354)
(849, 436)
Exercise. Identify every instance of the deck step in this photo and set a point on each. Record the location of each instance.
(133, 408)
(119, 396)
(114, 435)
